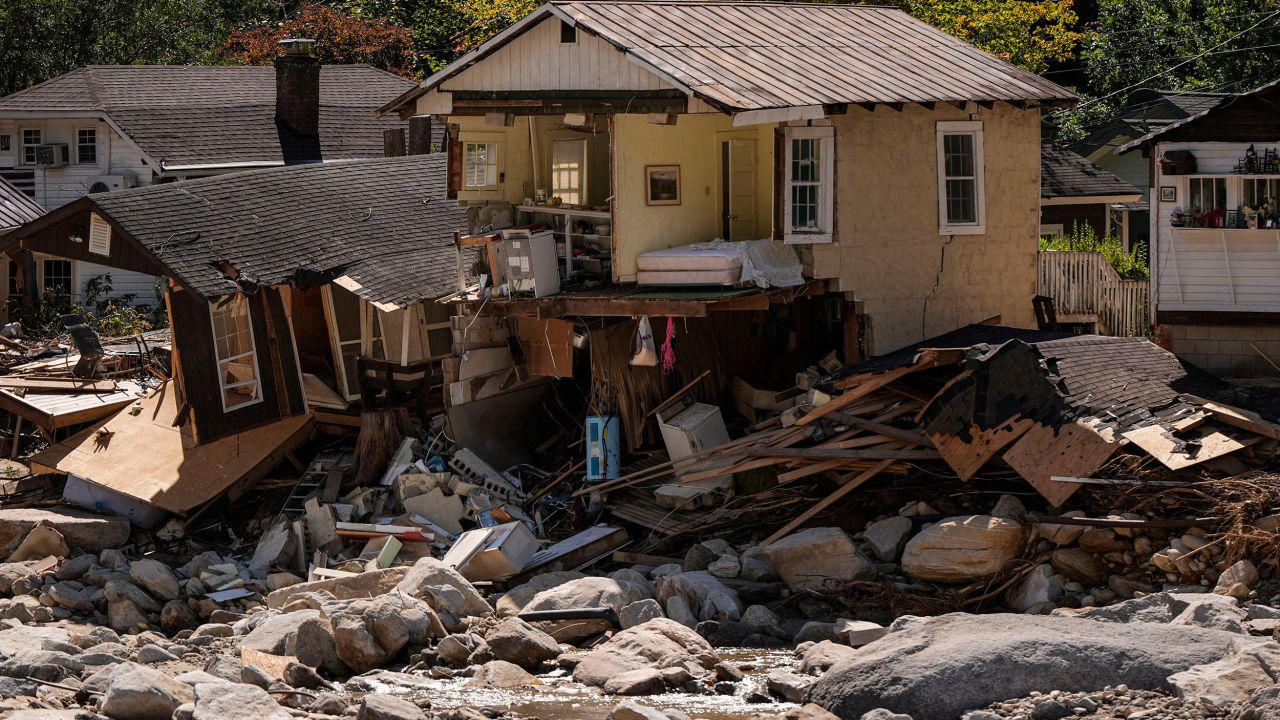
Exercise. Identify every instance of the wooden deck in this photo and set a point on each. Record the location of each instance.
(52, 411)
(145, 457)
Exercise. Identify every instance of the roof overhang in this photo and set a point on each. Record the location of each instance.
(1090, 199)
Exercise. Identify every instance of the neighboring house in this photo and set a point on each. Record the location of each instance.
(281, 281)
(1074, 191)
(898, 162)
(105, 128)
(1216, 232)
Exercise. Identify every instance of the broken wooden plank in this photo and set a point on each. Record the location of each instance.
(572, 552)
(1184, 449)
(967, 455)
(826, 502)
(1075, 449)
(1239, 418)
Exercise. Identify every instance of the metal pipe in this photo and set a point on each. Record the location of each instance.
(595, 613)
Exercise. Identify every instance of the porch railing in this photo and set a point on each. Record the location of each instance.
(1085, 287)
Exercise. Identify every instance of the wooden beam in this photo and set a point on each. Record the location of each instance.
(836, 453)
(827, 502)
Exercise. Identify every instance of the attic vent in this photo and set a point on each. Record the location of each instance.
(568, 33)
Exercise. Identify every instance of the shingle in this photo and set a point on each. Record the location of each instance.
(386, 223)
(15, 207)
(206, 115)
(1063, 173)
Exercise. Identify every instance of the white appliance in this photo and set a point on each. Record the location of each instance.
(531, 264)
(52, 155)
(690, 427)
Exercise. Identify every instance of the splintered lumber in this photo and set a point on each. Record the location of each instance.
(369, 530)
(967, 453)
(1075, 449)
(826, 502)
(1239, 418)
(836, 453)
(58, 384)
(1194, 447)
(911, 437)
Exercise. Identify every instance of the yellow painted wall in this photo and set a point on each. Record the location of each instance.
(915, 283)
(692, 143)
(516, 164)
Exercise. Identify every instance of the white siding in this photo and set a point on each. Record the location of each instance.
(537, 60)
(1205, 269)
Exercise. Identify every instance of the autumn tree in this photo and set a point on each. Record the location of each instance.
(341, 38)
(443, 30)
(1029, 33)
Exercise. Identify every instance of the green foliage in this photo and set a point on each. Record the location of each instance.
(442, 30)
(1129, 265)
(1028, 33)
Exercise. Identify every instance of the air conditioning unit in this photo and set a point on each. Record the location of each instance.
(111, 183)
(52, 155)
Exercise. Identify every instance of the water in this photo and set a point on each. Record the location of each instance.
(559, 698)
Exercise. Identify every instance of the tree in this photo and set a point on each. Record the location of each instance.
(341, 38)
(443, 30)
(1030, 34)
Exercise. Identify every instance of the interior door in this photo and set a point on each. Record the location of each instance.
(343, 312)
(738, 188)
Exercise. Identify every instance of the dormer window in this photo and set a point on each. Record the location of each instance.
(568, 33)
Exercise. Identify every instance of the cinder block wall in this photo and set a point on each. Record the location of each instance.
(1224, 349)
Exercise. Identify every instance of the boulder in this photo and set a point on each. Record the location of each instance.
(514, 600)
(678, 609)
(366, 584)
(645, 681)
(235, 701)
(516, 641)
(725, 566)
(631, 710)
(385, 707)
(709, 598)
(756, 566)
(941, 667)
(1079, 565)
(278, 634)
(502, 674)
(659, 643)
(134, 692)
(808, 559)
(961, 549)
(1231, 680)
(588, 592)
(1241, 573)
(155, 577)
(369, 633)
(820, 656)
(176, 616)
(788, 685)
(1153, 608)
(1263, 704)
(1213, 615)
(125, 616)
(82, 530)
(639, 613)
(886, 537)
(426, 580)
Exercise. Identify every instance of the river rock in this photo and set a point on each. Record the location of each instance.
(938, 668)
(1263, 704)
(583, 593)
(639, 613)
(756, 566)
(368, 633)
(278, 634)
(176, 616)
(707, 596)
(516, 641)
(1061, 535)
(514, 600)
(678, 609)
(125, 616)
(1039, 590)
(644, 681)
(385, 707)
(155, 577)
(961, 549)
(808, 559)
(457, 648)
(235, 701)
(134, 692)
(363, 585)
(631, 710)
(1079, 565)
(659, 643)
(124, 590)
(886, 537)
(820, 656)
(427, 579)
(152, 654)
(503, 675)
(1242, 573)
(82, 530)
(1232, 679)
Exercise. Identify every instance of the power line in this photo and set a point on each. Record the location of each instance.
(1185, 62)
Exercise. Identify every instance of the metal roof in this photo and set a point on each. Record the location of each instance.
(16, 208)
(742, 56)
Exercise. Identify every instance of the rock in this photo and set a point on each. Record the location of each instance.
(961, 549)
(428, 579)
(1264, 704)
(822, 655)
(278, 634)
(1102, 541)
(217, 630)
(75, 568)
(151, 654)
(176, 616)
(788, 685)
(884, 714)
(1262, 612)
(125, 616)
(644, 681)
(457, 648)
(79, 599)
(856, 633)
(661, 642)
(725, 566)
(699, 557)
(588, 592)
(385, 707)
(709, 598)
(1241, 573)
(1154, 608)
(41, 542)
(763, 620)
(254, 675)
(368, 633)
(155, 577)
(631, 710)
(300, 676)
(502, 674)
(723, 633)
(756, 566)
(1039, 590)
(82, 530)
(944, 666)
(134, 692)
(1080, 565)
(678, 610)
(516, 641)
(1213, 615)
(1232, 679)
(1010, 508)
(639, 613)
(513, 601)
(808, 559)
(886, 537)
(1061, 535)
(49, 665)
(17, 687)
(281, 580)
(19, 573)
(816, 631)
(363, 585)
(1049, 710)
(235, 701)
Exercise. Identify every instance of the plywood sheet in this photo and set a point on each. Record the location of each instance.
(1181, 450)
(145, 457)
(967, 455)
(1075, 450)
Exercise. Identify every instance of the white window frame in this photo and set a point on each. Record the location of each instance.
(23, 145)
(580, 192)
(223, 386)
(979, 225)
(495, 162)
(96, 150)
(826, 138)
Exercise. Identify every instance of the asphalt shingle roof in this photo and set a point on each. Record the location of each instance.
(218, 115)
(1063, 173)
(385, 223)
(16, 208)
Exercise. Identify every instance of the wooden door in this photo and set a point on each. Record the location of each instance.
(738, 187)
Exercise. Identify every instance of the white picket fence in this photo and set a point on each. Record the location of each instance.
(1085, 287)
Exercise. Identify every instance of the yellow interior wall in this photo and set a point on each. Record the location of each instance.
(915, 283)
(517, 161)
(692, 143)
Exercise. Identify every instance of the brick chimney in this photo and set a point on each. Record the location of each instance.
(298, 87)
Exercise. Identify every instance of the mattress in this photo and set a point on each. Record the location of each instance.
(726, 276)
(718, 257)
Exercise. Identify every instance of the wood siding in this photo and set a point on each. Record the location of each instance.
(537, 60)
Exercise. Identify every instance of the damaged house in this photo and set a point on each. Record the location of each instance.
(289, 291)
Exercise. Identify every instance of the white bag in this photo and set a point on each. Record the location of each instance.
(645, 353)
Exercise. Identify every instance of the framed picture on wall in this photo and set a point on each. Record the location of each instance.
(662, 184)
(1168, 193)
